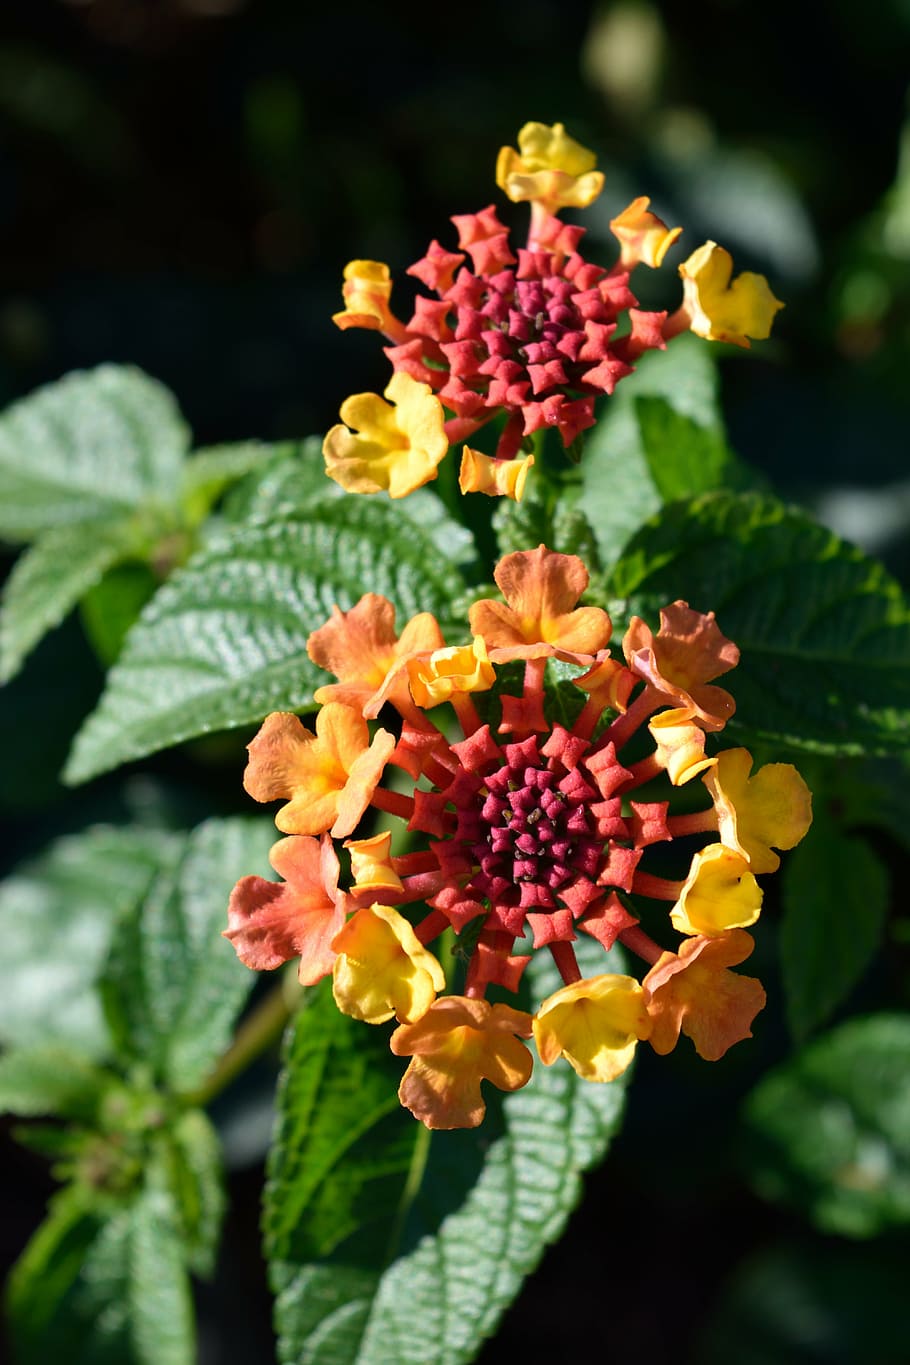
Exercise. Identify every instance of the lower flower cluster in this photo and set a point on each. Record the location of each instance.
(519, 840)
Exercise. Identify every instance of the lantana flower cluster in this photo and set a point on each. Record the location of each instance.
(533, 335)
(523, 833)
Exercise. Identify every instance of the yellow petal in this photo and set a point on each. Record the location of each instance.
(497, 478)
(396, 448)
(462, 668)
(720, 893)
(757, 814)
(720, 310)
(595, 1024)
(383, 969)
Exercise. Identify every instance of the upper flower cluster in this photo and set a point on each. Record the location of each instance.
(536, 335)
(523, 827)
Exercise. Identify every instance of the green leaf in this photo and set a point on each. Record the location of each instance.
(103, 1289)
(290, 485)
(683, 457)
(829, 1131)
(295, 482)
(109, 609)
(661, 437)
(210, 472)
(874, 793)
(549, 517)
(91, 446)
(172, 987)
(57, 916)
(49, 579)
(835, 899)
(224, 641)
(390, 1244)
(51, 1079)
(190, 1169)
(824, 631)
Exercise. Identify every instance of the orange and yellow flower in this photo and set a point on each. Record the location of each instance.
(367, 290)
(382, 969)
(534, 334)
(497, 478)
(680, 661)
(642, 236)
(720, 893)
(519, 840)
(361, 648)
(271, 922)
(756, 815)
(328, 777)
(540, 615)
(550, 168)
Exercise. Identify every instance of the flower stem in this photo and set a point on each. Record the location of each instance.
(697, 822)
(261, 1029)
(640, 943)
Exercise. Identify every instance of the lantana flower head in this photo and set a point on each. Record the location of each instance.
(534, 334)
(525, 833)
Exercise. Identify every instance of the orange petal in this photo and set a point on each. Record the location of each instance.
(271, 922)
(541, 589)
(693, 992)
(458, 1043)
(687, 652)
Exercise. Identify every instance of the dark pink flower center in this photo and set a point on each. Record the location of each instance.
(538, 828)
(536, 340)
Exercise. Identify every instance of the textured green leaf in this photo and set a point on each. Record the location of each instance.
(290, 485)
(51, 1079)
(545, 517)
(57, 916)
(835, 896)
(91, 446)
(172, 986)
(189, 1168)
(661, 437)
(103, 1289)
(829, 1131)
(824, 631)
(49, 578)
(224, 641)
(389, 1244)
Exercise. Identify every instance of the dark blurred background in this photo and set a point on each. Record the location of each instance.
(181, 183)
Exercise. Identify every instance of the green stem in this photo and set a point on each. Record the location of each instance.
(258, 1032)
(416, 1172)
